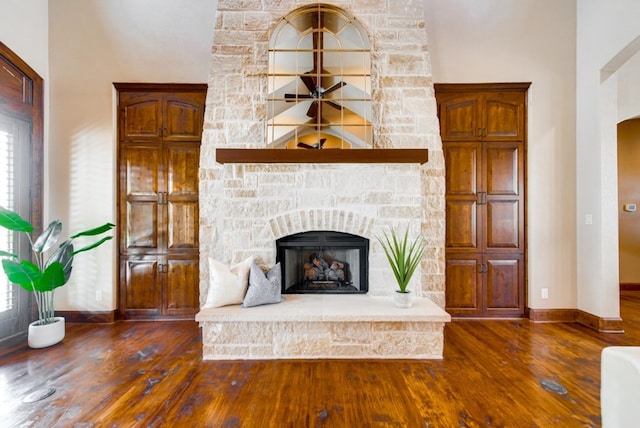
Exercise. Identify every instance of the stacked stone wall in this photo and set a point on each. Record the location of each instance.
(241, 205)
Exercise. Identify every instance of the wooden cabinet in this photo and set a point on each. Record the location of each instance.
(480, 116)
(483, 129)
(159, 131)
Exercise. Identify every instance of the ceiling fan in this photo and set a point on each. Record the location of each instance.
(312, 79)
(316, 146)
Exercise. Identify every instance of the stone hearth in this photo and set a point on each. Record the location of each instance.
(327, 326)
(245, 208)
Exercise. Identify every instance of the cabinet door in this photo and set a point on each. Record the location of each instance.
(140, 287)
(181, 287)
(463, 289)
(503, 117)
(504, 285)
(141, 181)
(463, 215)
(182, 160)
(485, 286)
(141, 116)
(184, 114)
(460, 117)
(504, 202)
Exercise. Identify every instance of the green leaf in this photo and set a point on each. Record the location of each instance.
(25, 273)
(48, 238)
(64, 256)
(12, 221)
(52, 277)
(404, 257)
(94, 245)
(95, 231)
(6, 254)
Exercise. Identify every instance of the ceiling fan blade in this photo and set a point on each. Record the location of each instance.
(313, 109)
(305, 146)
(293, 97)
(334, 87)
(309, 82)
(322, 141)
(334, 105)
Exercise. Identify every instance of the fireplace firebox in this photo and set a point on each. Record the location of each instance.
(323, 262)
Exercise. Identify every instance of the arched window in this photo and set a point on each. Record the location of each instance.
(319, 81)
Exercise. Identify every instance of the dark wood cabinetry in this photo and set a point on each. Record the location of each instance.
(483, 129)
(159, 129)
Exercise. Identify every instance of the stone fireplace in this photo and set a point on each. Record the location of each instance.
(246, 208)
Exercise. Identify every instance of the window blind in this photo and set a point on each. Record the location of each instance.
(7, 197)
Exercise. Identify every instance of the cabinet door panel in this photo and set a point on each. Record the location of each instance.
(182, 225)
(503, 225)
(140, 170)
(142, 289)
(459, 117)
(462, 284)
(504, 116)
(461, 225)
(183, 161)
(505, 279)
(140, 116)
(504, 169)
(184, 116)
(141, 230)
(463, 158)
(182, 287)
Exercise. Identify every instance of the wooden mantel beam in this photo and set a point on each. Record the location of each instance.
(322, 156)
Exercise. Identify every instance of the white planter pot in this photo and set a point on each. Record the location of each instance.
(41, 336)
(403, 300)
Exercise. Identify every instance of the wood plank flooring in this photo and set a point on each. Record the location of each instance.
(150, 374)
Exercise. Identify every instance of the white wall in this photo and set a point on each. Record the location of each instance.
(629, 89)
(24, 29)
(608, 36)
(92, 44)
(525, 41)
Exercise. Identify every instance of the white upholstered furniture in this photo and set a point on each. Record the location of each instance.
(620, 387)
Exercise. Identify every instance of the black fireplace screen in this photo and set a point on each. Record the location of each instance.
(323, 262)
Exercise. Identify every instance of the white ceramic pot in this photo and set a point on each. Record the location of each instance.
(41, 336)
(403, 300)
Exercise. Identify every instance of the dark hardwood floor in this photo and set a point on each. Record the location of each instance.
(150, 374)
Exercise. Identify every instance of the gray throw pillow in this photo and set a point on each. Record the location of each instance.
(263, 289)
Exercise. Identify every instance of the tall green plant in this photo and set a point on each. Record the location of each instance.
(404, 256)
(42, 275)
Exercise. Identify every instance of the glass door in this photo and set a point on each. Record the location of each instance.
(15, 147)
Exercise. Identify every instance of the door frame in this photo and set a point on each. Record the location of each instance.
(25, 102)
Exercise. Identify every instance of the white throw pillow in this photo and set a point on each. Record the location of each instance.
(227, 286)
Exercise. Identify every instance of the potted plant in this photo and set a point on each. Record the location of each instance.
(42, 275)
(404, 257)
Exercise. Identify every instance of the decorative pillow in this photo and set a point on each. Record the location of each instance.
(227, 286)
(263, 289)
